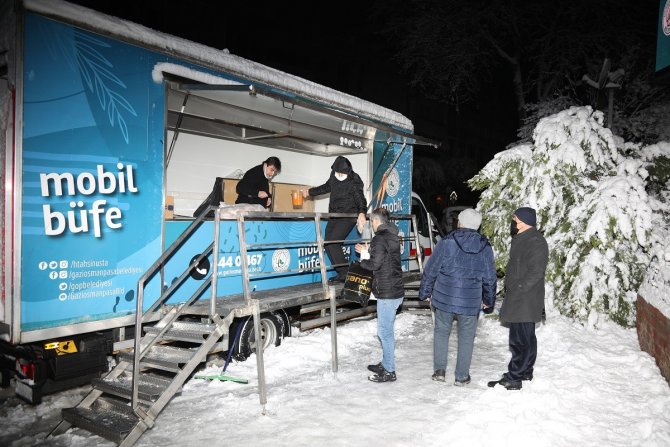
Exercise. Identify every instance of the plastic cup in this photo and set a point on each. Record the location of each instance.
(296, 198)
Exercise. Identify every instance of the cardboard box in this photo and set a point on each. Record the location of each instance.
(282, 198)
(168, 212)
(229, 190)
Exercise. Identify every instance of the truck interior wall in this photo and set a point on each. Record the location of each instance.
(196, 161)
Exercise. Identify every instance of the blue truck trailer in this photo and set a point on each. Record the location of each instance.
(113, 135)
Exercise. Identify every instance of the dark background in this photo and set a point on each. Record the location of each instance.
(338, 44)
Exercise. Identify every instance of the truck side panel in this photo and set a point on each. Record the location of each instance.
(92, 174)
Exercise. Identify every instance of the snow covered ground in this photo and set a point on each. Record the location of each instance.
(591, 388)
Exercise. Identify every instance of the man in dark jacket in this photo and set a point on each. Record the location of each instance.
(383, 258)
(459, 280)
(254, 187)
(346, 196)
(524, 296)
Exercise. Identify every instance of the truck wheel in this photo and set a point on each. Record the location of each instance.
(272, 331)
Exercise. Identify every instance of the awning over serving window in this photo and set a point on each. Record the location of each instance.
(245, 113)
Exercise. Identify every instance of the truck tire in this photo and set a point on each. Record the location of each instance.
(272, 331)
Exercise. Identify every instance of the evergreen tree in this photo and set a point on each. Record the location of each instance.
(590, 191)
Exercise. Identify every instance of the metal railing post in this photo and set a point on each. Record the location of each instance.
(136, 353)
(330, 296)
(215, 263)
(260, 365)
(243, 259)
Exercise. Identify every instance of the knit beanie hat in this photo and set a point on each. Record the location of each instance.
(526, 215)
(469, 218)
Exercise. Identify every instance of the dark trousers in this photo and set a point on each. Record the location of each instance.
(523, 344)
(338, 229)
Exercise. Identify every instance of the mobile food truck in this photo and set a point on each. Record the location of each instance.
(113, 135)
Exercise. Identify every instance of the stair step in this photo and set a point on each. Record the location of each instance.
(149, 389)
(166, 358)
(185, 331)
(110, 419)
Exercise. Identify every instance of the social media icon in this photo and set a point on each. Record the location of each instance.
(62, 286)
(53, 265)
(62, 274)
(42, 265)
(63, 264)
(53, 275)
(62, 296)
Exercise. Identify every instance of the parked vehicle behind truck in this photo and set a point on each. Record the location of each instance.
(112, 137)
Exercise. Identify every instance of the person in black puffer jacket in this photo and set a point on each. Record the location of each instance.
(383, 258)
(346, 196)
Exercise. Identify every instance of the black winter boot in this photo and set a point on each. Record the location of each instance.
(382, 376)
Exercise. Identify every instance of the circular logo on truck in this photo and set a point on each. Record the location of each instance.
(281, 260)
(393, 182)
(666, 18)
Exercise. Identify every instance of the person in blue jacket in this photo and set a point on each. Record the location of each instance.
(459, 280)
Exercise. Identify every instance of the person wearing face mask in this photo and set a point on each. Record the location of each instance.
(346, 196)
(254, 187)
(524, 296)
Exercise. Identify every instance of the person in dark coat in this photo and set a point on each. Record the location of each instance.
(346, 196)
(383, 258)
(254, 187)
(459, 280)
(524, 296)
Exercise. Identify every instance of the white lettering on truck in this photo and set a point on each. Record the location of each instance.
(79, 219)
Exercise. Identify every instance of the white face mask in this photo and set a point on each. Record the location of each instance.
(340, 177)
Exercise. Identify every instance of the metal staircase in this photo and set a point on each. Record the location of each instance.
(126, 402)
(168, 362)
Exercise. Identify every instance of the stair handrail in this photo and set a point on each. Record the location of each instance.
(139, 353)
(211, 280)
(320, 242)
(247, 292)
(258, 215)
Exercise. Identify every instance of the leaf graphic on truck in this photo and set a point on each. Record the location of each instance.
(82, 53)
(95, 70)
